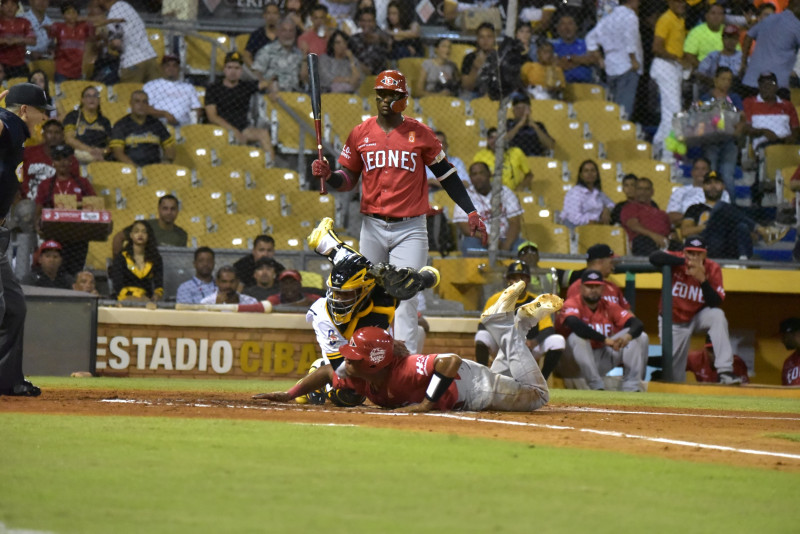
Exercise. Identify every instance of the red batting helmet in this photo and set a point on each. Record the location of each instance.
(370, 349)
(394, 80)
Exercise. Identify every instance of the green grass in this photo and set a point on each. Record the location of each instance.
(789, 437)
(558, 396)
(76, 474)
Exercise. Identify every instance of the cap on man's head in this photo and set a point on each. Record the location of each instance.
(520, 98)
(712, 176)
(66, 6)
(61, 151)
(694, 242)
(731, 29)
(234, 56)
(525, 246)
(290, 273)
(767, 76)
(518, 267)
(590, 276)
(268, 262)
(28, 94)
(598, 252)
(171, 57)
(790, 325)
(50, 244)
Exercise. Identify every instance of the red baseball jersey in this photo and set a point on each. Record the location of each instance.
(71, 41)
(407, 382)
(392, 166)
(612, 293)
(700, 364)
(687, 295)
(14, 55)
(791, 370)
(608, 318)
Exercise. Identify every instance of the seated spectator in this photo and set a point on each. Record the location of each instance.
(87, 130)
(138, 138)
(280, 63)
(730, 56)
(265, 274)
(16, 33)
(339, 71)
(171, 99)
(71, 38)
(371, 46)
(542, 338)
(84, 281)
(261, 37)
(573, 58)
(686, 196)
(509, 219)
(585, 203)
(544, 78)
(439, 75)
(166, 232)
(315, 39)
(137, 273)
(723, 154)
(65, 183)
(517, 174)
(38, 163)
(523, 33)
(770, 119)
(701, 364)
(602, 259)
(227, 105)
(629, 190)
(648, 228)
(601, 335)
(455, 161)
(226, 289)
(705, 38)
(39, 77)
(47, 270)
(477, 66)
(201, 285)
(727, 231)
(404, 30)
(263, 247)
(528, 134)
(790, 330)
(290, 290)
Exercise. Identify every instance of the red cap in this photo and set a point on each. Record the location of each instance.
(730, 29)
(290, 273)
(50, 244)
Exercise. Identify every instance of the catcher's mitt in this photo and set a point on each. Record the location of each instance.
(345, 398)
(401, 283)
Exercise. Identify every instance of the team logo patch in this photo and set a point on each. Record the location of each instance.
(411, 137)
(376, 355)
(388, 80)
(366, 139)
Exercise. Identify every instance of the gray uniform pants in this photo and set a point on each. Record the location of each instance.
(594, 364)
(514, 383)
(403, 244)
(12, 311)
(711, 320)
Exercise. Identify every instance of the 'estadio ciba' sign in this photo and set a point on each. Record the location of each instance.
(190, 355)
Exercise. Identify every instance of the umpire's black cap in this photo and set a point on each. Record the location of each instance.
(28, 94)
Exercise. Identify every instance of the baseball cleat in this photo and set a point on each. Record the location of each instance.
(508, 299)
(542, 306)
(729, 379)
(322, 238)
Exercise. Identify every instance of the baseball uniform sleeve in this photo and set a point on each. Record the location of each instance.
(714, 278)
(349, 158)
(432, 151)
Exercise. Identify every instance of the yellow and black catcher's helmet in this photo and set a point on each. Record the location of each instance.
(349, 285)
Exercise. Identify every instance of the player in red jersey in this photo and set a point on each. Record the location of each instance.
(790, 330)
(701, 363)
(391, 152)
(601, 335)
(599, 257)
(71, 37)
(424, 382)
(697, 294)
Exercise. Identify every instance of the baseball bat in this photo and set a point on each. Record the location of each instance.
(264, 306)
(316, 108)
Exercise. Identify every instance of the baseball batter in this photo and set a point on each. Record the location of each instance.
(424, 382)
(390, 151)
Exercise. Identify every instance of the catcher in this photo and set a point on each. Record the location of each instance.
(359, 294)
(421, 383)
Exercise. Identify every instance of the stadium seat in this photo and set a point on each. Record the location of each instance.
(72, 89)
(121, 92)
(779, 157)
(613, 236)
(157, 41)
(99, 255)
(485, 109)
(447, 112)
(410, 67)
(289, 239)
(311, 205)
(533, 209)
(441, 200)
(342, 112)
(112, 174)
(367, 88)
(788, 194)
(621, 149)
(114, 111)
(258, 203)
(277, 180)
(545, 168)
(232, 231)
(566, 133)
(223, 177)
(656, 170)
(599, 114)
(198, 51)
(167, 176)
(246, 158)
(194, 157)
(195, 224)
(46, 65)
(201, 93)
(458, 51)
(550, 193)
(576, 92)
(205, 136)
(240, 41)
(141, 202)
(614, 130)
(551, 238)
(577, 150)
(285, 128)
(549, 112)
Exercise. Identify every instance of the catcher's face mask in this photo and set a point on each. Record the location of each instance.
(344, 301)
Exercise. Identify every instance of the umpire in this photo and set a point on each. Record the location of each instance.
(26, 107)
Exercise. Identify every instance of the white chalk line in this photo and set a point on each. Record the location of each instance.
(635, 412)
(608, 433)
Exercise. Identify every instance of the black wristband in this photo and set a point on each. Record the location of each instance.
(437, 387)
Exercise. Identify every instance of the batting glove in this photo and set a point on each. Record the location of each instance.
(320, 169)
(476, 225)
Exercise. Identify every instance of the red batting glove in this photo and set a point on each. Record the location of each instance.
(320, 169)
(476, 225)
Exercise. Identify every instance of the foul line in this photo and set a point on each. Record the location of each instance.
(633, 412)
(607, 433)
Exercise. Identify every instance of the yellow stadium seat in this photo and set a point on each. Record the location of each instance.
(410, 67)
(240, 41)
(141, 202)
(99, 255)
(779, 157)
(592, 234)
(575, 92)
(288, 133)
(458, 51)
(342, 112)
(787, 173)
(550, 112)
(289, 239)
(551, 238)
(258, 203)
(485, 109)
(311, 205)
(198, 51)
(367, 88)
(224, 178)
(447, 112)
(114, 111)
(72, 89)
(619, 150)
(614, 130)
(195, 224)
(656, 170)
(112, 174)
(599, 114)
(121, 92)
(464, 140)
(205, 136)
(312, 279)
(167, 176)
(277, 180)
(194, 157)
(441, 200)
(545, 168)
(577, 149)
(233, 231)
(551, 192)
(157, 41)
(46, 65)
(246, 158)
(534, 210)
